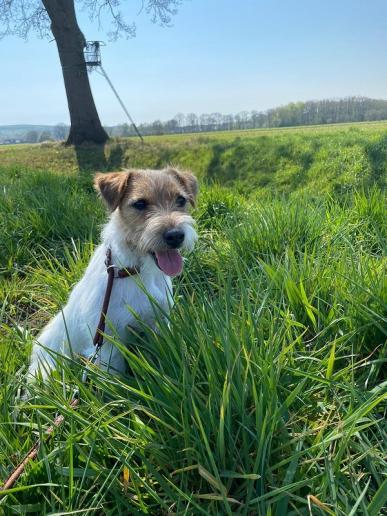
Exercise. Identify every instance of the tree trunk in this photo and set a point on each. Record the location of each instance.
(85, 122)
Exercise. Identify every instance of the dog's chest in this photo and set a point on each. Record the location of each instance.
(133, 299)
(136, 298)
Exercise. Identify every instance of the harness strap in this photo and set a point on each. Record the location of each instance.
(113, 272)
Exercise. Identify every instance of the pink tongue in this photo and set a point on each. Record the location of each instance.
(170, 262)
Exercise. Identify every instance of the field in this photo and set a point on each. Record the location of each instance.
(266, 395)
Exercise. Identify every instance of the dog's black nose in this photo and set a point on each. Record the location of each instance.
(174, 237)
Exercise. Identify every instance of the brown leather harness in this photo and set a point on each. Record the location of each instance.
(113, 272)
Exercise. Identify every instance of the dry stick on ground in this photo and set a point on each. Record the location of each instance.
(33, 452)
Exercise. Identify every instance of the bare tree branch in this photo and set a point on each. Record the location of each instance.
(20, 17)
(162, 11)
(99, 10)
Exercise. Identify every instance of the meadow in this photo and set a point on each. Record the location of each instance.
(266, 394)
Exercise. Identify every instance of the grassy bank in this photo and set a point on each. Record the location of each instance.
(266, 393)
(313, 160)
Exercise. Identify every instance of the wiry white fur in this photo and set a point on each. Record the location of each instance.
(72, 330)
(151, 237)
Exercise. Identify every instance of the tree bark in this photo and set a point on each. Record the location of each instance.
(85, 122)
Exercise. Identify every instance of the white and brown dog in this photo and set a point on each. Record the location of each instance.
(149, 223)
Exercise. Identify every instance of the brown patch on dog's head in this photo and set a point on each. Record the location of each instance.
(188, 181)
(151, 207)
(112, 187)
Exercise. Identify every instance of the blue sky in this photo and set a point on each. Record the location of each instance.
(219, 55)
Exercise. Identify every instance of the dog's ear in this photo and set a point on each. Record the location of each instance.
(112, 187)
(188, 181)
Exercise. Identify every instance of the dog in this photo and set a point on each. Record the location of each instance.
(149, 224)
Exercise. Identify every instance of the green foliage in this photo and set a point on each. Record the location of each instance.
(266, 391)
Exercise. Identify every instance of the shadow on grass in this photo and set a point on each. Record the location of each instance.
(376, 151)
(104, 158)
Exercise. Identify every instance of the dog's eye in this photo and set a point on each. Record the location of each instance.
(181, 201)
(140, 205)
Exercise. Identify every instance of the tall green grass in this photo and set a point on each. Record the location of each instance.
(265, 394)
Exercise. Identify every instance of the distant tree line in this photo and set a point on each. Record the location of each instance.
(349, 109)
(58, 132)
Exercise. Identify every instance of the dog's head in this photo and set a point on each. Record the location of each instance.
(152, 206)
